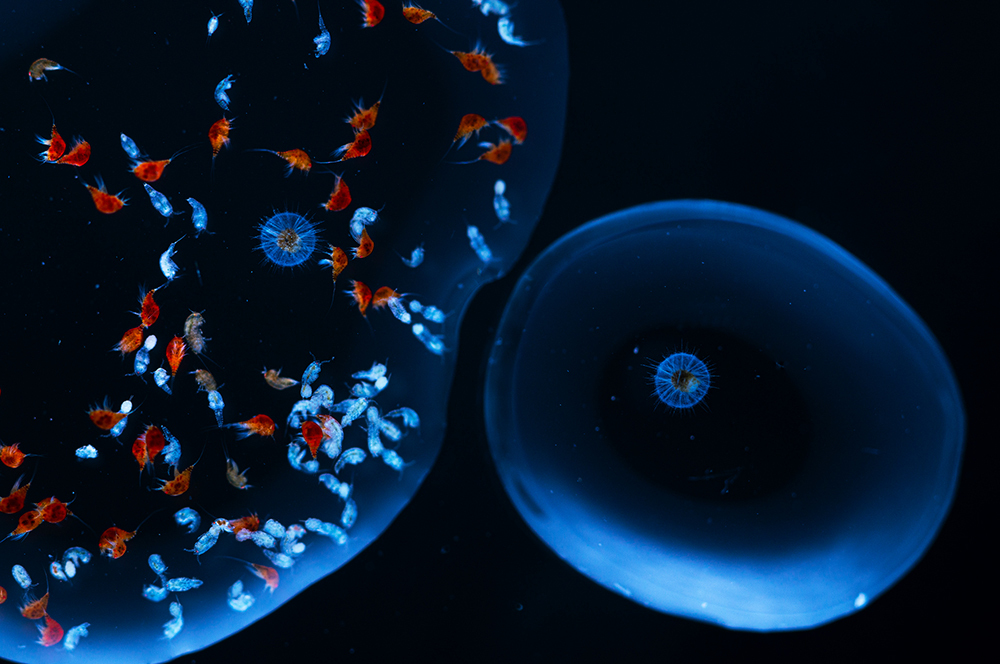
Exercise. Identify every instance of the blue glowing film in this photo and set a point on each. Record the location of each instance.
(254, 315)
(820, 466)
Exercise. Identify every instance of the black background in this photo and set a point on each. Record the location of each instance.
(870, 122)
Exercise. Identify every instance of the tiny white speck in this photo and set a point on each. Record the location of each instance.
(860, 600)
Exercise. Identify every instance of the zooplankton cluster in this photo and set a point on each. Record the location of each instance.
(321, 431)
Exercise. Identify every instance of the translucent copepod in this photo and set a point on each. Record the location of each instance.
(322, 40)
(167, 265)
(247, 6)
(221, 98)
(160, 202)
(213, 25)
(505, 28)
(199, 217)
(416, 257)
(193, 335)
(131, 149)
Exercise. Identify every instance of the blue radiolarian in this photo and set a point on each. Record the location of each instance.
(681, 380)
(287, 239)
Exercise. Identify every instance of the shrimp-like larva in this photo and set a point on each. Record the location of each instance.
(235, 477)
(36, 72)
(192, 332)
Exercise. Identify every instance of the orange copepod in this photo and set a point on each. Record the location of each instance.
(497, 154)
(268, 574)
(57, 146)
(14, 503)
(365, 245)
(417, 15)
(297, 159)
(262, 425)
(152, 170)
(340, 197)
(104, 202)
(150, 310)
(362, 296)
(155, 441)
(218, 135)
(131, 340)
(180, 483)
(372, 13)
(470, 123)
(53, 510)
(479, 60)
(105, 419)
(149, 171)
(364, 118)
(112, 541)
(12, 456)
(274, 378)
(312, 434)
(78, 155)
(3, 594)
(382, 297)
(359, 147)
(139, 451)
(515, 126)
(51, 634)
(26, 523)
(337, 261)
(35, 609)
(250, 523)
(175, 353)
